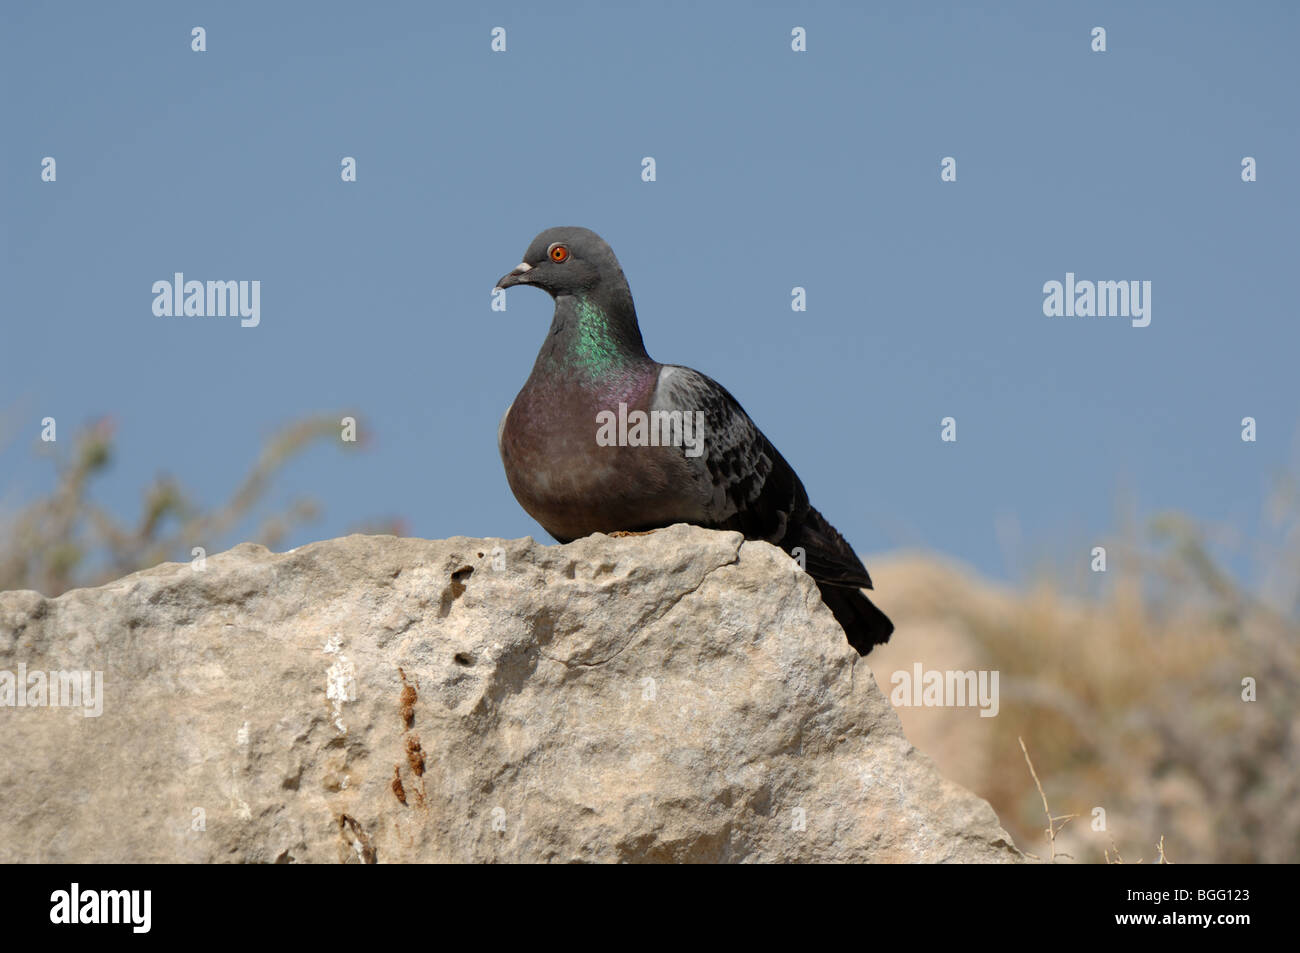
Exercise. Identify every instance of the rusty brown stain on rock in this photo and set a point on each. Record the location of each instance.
(415, 755)
(407, 700)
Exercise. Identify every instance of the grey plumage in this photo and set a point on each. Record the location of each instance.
(592, 361)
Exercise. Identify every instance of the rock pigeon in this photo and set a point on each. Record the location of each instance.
(581, 458)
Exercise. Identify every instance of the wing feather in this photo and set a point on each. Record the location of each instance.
(743, 482)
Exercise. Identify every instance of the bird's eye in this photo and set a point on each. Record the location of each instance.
(558, 252)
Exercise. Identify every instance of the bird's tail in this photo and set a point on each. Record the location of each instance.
(863, 623)
(840, 576)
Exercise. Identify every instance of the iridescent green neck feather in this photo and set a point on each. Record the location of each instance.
(594, 348)
(593, 340)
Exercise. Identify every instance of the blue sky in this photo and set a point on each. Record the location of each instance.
(775, 169)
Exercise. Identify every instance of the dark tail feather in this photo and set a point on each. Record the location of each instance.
(863, 623)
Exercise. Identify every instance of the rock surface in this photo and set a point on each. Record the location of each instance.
(679, 696)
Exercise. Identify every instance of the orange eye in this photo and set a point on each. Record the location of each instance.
(559, 253)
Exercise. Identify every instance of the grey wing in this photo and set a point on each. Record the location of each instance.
(741, 481)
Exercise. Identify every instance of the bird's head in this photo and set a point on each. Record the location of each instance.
(567, 260)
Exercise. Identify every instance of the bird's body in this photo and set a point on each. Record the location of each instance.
(593, 366)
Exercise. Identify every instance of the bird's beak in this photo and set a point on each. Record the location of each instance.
(515, 277)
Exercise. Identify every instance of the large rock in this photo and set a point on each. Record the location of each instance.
(679, 696)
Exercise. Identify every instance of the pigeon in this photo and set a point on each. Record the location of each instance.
(574, 473)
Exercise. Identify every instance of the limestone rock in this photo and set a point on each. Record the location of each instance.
(679, 696)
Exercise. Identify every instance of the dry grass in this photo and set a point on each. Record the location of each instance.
(1052, 820)
(65, 539)
(1130, 697)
